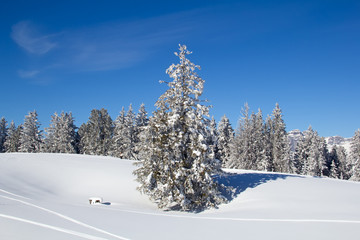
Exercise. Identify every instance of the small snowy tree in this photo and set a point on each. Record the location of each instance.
(179, 167)
(31, 137)
(333, 161)
(3, 134)
(225, 137)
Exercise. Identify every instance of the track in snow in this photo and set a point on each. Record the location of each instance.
(71, 232)
(245, 219)
(54, 213)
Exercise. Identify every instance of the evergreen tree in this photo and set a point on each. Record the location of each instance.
(249, 145)
(309, 154)
(268, 144)
(212, 139)
(179, 167)
(225, 137)
(117, 149)
(31, 137)
(96, 134)
(142, 122)
(339, 166)
(355, 156)
(130, 135)
(260, 142)
(280, 149)
(3, 134)
(61, 136)
(344, 166)
(240, 147)
(12, 142)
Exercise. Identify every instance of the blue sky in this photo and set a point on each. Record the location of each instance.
(79, 55)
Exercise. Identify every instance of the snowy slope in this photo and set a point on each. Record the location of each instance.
(45, 196)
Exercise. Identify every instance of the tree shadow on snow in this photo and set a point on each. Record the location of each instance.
(236, 183)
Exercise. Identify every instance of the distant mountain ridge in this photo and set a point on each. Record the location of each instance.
(295, 135)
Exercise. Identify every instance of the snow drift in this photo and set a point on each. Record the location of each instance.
(45, 196)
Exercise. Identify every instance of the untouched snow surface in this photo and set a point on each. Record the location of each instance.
(45, 196)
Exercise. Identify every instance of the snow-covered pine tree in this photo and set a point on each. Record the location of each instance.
(179, 168)
(12, 142)
(260, 142)
(280, 149)
(8, 144)
(130, 134)
(240, 146)
(309, 154)
(344, 166)
(142, 122)
(355, 156)
(31, 137)
(249, 145)
(117, 143)
(333, 170)
(61, 135)
(225, 137)
(3, 133)
(212, 139)
(96, 134)
(268, 144)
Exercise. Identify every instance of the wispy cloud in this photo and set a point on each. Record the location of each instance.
(26, 35)
(28, 74)
(105, 46)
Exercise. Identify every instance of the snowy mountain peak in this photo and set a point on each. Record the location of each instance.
(295, 135)
(338, 141)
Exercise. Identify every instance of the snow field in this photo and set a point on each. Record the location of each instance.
(45, 196)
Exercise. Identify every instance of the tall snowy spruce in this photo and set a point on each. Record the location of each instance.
(117, 146)
(61, 135)
(129, 137)
(12, 142)
(31, 137)
(248, 149)
(279, 144)
(355, 156)
(142, 122)
(96, 134)
(3, 134)
(225, 137)
(179, 167)
(310, 156)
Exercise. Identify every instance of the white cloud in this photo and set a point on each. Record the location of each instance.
(28, 74)
(27, 36)
(105, 46)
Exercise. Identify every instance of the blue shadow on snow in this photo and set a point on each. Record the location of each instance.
(239, 182)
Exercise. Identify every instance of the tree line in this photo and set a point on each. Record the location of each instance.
(256, 144)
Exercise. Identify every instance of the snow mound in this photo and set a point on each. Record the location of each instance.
(46, 196)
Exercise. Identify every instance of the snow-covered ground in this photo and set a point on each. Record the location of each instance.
(45, 196)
